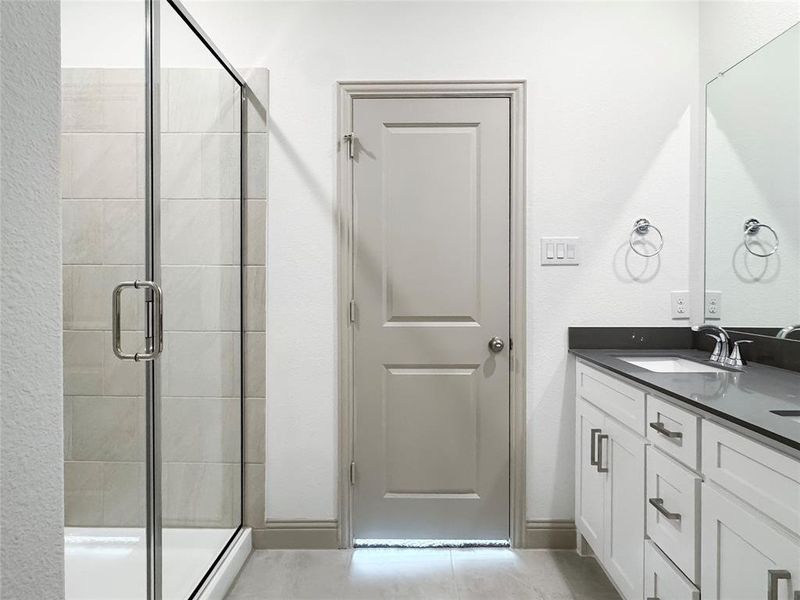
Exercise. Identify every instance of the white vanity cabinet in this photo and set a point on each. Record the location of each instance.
(724, 521)
(744, 555)
(611, 481)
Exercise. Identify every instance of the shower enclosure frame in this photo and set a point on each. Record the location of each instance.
(153, 475)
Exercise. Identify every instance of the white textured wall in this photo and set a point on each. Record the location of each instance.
(31, 443)
(728, 32)
(611, 91)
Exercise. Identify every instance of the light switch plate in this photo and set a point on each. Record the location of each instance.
(560, 251)
(713, 305)
(680, 305)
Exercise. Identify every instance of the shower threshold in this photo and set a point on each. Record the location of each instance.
(109, 563)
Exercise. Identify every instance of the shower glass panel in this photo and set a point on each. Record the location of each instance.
(152, 192)
(103, 208)
(201, 277)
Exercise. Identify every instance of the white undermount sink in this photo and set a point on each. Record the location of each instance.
(669, 364)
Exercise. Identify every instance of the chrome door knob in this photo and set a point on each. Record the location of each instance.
(496, 344)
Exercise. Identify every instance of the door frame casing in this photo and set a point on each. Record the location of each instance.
(514, 90)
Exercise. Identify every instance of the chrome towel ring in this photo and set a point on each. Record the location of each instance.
(641, 228)
(751, 227)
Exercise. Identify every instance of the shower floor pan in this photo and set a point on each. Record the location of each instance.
(109, 563)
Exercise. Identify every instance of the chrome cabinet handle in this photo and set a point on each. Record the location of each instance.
(659, 427)
(773, 577)
(658, 503)
(593, 453)
(154, 342)
(600, 467)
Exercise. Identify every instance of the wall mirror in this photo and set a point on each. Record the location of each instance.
(752, 254)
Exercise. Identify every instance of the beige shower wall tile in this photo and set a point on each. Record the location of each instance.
(201, 495)
(106, 428)
(123, 232)
(255, 298)
(87, 293)
(256, 232)
(201, 298)
(201, 364)
(100, 165)
(83, 363)
(256, 165)
(221, 165)
(255, 353)
(123, 377)
(103, 100)
(123, 94)
(83, 494)
(201, 100)
(82, 232)
(254, 493)
(67, 428)
(199, 232)
(254, 430)
(181, 161)
(201, 430)
(258, 100)
(124, 494)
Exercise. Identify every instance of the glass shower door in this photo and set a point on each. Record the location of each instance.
(103, 230)
(201, 275)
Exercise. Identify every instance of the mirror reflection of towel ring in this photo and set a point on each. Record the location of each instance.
(751, 227)
(641, 228)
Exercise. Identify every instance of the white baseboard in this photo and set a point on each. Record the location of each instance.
(550, 534)
(308, 535)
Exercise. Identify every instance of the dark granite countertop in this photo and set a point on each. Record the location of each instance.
(744, 398)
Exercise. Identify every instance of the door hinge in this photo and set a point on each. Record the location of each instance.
(350, 138)
(352, 473)
(352, 313)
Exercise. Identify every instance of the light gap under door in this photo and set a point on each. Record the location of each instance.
(423, 543)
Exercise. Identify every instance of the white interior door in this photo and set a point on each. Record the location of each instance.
(431, 285)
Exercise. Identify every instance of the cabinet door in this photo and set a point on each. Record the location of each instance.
(589, 482)
(742, 552)
(624, 518)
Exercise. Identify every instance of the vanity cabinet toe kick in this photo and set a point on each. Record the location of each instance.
(667, 500)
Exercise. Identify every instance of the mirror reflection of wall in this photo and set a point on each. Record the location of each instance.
(753, 172)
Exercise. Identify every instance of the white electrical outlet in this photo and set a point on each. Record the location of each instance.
(713, 305)
(680, 305)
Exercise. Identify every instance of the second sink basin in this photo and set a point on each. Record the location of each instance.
(670, 364)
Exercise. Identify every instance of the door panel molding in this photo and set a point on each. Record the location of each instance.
(514, 90)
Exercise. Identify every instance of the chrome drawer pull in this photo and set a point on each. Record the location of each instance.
(593, 453)
(659, 427)
(773, 577)
(658, 504)
(600, 467)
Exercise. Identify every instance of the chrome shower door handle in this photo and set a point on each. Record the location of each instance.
(154, 336)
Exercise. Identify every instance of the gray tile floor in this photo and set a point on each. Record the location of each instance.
(430, 574)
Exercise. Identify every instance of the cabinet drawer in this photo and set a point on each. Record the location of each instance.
(674, 430)
(764, 478)
(663, 580)
(673, 507)
(622, 401)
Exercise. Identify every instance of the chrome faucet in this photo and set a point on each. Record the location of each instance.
(720, 353)
(784, 333)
